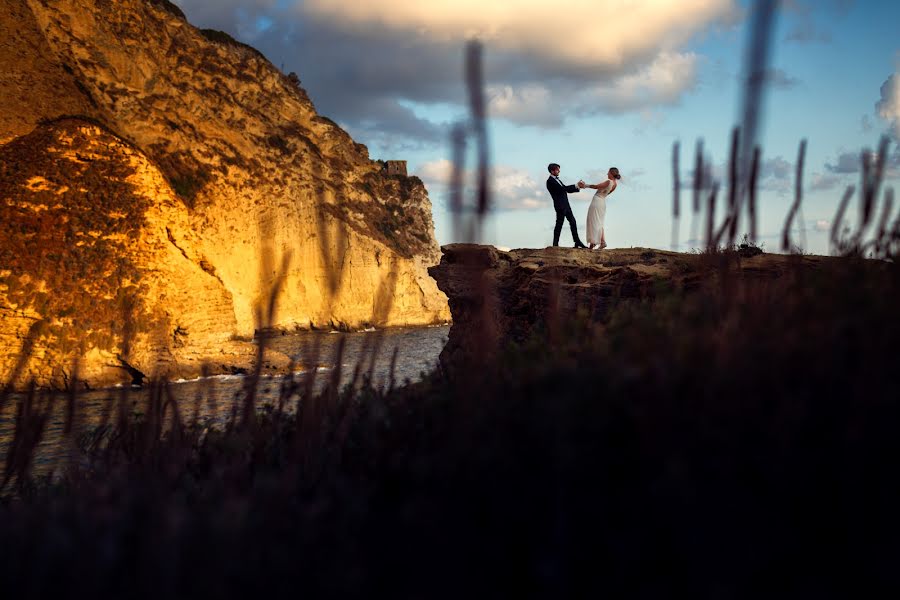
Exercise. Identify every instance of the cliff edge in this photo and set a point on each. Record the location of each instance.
(498, 297)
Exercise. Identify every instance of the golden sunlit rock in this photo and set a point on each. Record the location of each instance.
(158, 182)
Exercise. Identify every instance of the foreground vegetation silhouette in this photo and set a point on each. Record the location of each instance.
(736, 440)
(714, 442)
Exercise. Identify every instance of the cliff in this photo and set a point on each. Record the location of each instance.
(498, 297)
(157, 182)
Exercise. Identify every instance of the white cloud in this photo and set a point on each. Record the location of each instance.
(776, 175)
(515, 189)
(531, 103)
(847, 162)
(661, 82)
(822, 182)
(888, 106)
(776, 168)
(591, 33)
(435, 172)
(511, 188)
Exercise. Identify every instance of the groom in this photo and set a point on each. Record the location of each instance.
(559, 192)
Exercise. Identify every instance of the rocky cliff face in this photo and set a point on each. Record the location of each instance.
(158, 181)
(500, 296)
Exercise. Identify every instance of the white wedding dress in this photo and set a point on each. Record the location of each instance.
(597, 214)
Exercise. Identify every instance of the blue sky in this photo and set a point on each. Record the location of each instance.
(591, 85)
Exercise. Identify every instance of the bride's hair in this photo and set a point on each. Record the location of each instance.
(615, 173)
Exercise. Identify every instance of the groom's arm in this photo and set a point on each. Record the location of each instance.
(572, 189)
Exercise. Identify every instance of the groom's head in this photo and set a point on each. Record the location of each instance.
(553, 168)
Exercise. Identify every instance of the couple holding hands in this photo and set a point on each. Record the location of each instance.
(596, 211)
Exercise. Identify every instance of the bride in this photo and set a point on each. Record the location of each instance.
(597, 210)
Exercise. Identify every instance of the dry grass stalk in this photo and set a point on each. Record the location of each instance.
(676, 194)
(798, 197)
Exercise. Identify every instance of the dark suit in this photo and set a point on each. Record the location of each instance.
(560, 194)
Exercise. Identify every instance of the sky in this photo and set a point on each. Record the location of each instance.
(594, 84)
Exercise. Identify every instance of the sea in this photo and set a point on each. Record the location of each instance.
(214, 398)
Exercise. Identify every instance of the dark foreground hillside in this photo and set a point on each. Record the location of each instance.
(738, 442)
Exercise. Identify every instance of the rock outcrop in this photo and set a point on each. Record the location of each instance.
(498, 296)
(159, 182)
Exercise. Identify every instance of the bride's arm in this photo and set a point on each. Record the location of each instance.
(599, 186)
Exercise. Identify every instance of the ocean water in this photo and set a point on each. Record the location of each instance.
(214, 398)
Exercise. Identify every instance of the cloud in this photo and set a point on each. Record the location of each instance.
(711, 173)
(847, 162)
(779, 79)
(822, 182)
(365, 81)
(522, 27)
(775, 168)
(244, 19)
(395, 126)
(865, 124)
(806, 32)
(821, 225)
(776, 175)
(803, 28)
(776, 78)
(632, 177)
(888, 107)
(435, 172)
(531, 103)
(515, 189)
(511, 188)
(662, 82)
(365, 61)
